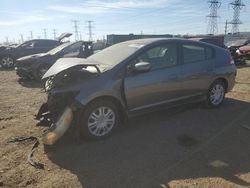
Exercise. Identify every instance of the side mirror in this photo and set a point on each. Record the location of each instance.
(142, 67)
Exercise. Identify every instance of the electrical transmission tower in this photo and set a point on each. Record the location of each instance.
(45, 33)
(54, 33)
(212, 27)
(76, 22)
(90, 30)
(237, 6)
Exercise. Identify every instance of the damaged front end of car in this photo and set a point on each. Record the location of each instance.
(63, 83)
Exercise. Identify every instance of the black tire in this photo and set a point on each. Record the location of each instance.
(86, 131)
(7, 62)
(220, 87)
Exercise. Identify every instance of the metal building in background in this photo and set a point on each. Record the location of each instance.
(237, 6)
(212, 27)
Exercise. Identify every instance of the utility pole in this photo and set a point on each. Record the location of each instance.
(54, 33)
(90, 30)
(75, 23)
(45, 33)
(212, 27)
(226, 25)
(237, 6)
(80, 35)
(7, 40)
(31, 35)
(21, 36)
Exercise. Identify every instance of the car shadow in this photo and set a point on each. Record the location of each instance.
(187, 142)
(6, 69)
(30, 83)
(244, 66)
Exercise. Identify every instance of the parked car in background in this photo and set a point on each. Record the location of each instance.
(234, 46)
(35, 66)
(244, 51)
(131, 78)
(10, 54)
(212, 40)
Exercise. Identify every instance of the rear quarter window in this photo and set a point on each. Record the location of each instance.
(195, 53)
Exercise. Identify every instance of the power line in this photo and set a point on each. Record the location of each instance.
(212, 27)
(76, 30)
(90, 30)
(237, 6)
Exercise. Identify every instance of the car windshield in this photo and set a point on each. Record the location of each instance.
(59, 48)
(115, 54)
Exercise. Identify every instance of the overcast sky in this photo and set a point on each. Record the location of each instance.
(112, 17)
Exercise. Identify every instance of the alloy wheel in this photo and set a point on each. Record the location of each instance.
(217, 94)
(101, 121)
(7, 62)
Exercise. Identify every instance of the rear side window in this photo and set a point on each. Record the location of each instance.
(46, 43)
(195, 53)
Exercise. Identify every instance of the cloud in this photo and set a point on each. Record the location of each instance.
(98, 6)
(20, 18)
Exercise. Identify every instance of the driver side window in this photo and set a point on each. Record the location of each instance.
(160, 57)
(28, 44)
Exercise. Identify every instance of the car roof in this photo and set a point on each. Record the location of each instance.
(147, 41)
(42, 40)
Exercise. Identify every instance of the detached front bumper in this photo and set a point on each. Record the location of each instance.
(57, 129)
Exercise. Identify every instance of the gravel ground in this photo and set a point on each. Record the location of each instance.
(188, 146)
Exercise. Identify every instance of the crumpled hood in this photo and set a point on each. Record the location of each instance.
(66, 63)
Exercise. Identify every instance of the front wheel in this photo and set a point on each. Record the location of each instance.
(7, 62)
(216, 94)
(99, 120)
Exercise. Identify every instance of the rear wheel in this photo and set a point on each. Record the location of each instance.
(99, 120)
(216, 94)
(7, 62)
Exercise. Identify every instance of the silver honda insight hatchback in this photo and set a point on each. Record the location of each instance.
(131, 78)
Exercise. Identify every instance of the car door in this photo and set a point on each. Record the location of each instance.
(197, 67)
(160, 84)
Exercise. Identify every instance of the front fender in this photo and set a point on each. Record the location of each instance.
(112, 88)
